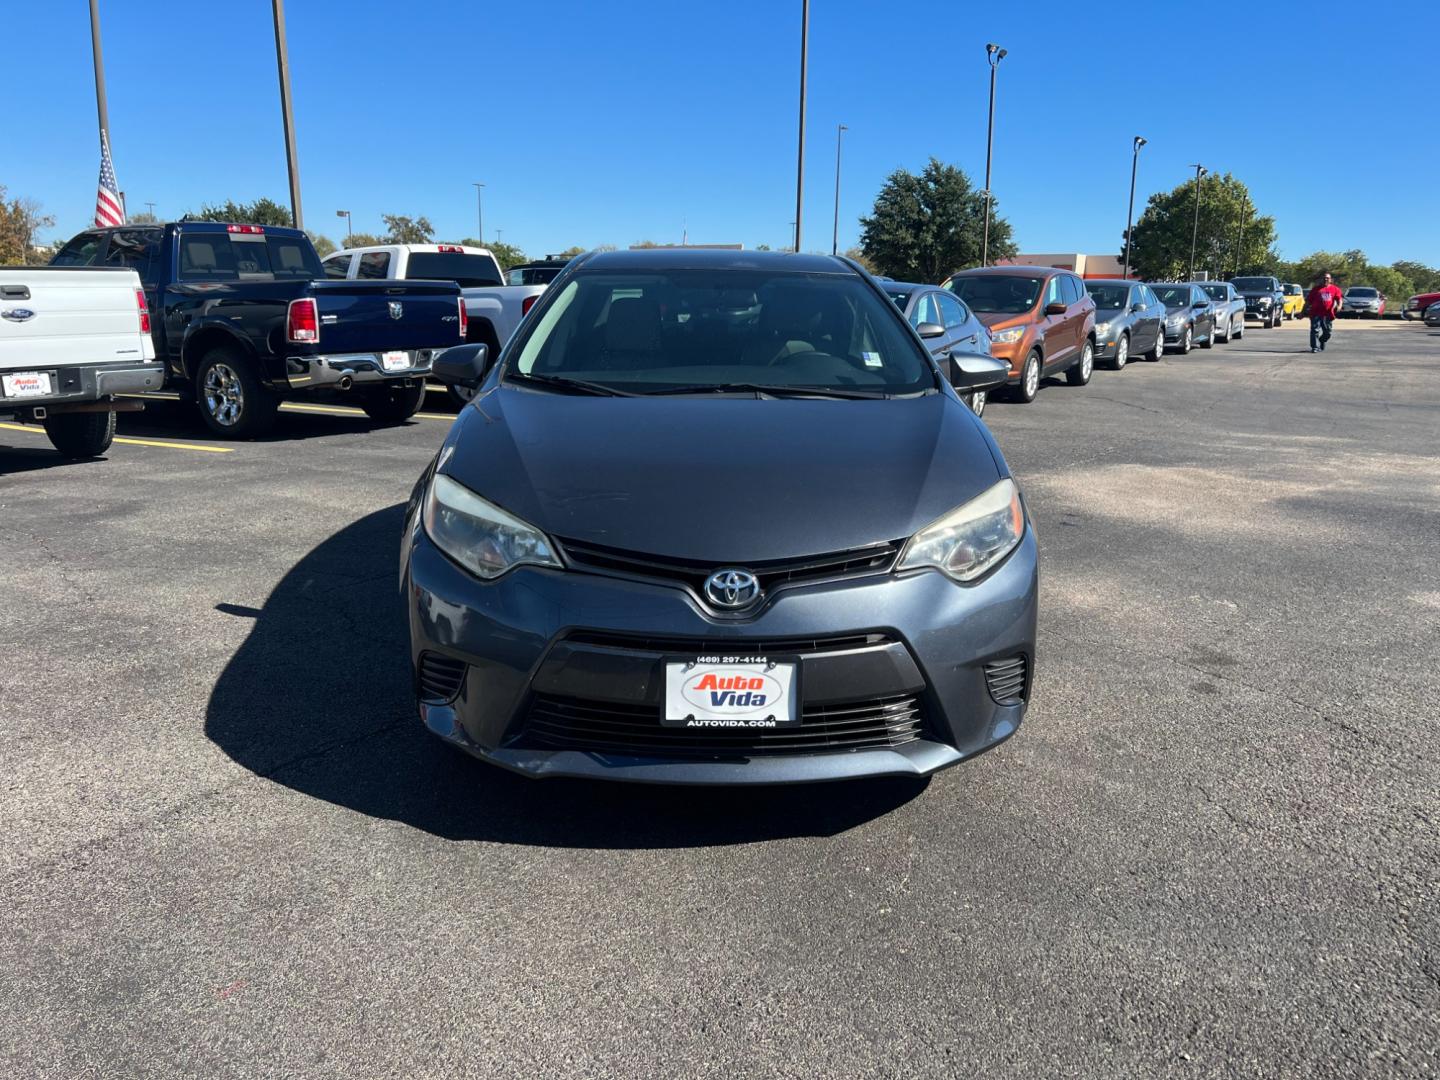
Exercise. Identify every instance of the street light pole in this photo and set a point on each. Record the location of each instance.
(101, 106)
(282, 60)
(840, 130)
(349, 231)
(1130, 215)
(800, 160)
(1195, 231)
(993, 55)
(479, 211)
(1240, 239)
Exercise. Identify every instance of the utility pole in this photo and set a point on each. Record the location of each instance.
(101, 106)
(1195, 232)
(150, 206)
(1130, 216)
(840, 130)
(479, 210)
(993, 55)
(1240, 239)
(282, 60)
(800, 156)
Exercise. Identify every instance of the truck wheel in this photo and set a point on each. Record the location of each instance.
(393, 404)
(232, 402)
(81, 435)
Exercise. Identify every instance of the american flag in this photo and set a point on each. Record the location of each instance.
(108, 210)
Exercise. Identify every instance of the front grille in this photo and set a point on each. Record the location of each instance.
(438, 678)
(560, 723)
(707, 646)
(1006, 679)
(772, 574)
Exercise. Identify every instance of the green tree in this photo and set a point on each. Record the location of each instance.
(1422, 278)
(1162, 236)
(507, 255)
(20, 225)
(364, 239)
(142, 218)
(323, 244)
(408, 230)
(260, 212)
(859, 256)
(925, 227)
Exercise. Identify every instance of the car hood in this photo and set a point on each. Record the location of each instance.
(721, 479)
(1255, 294)
(1000, 320)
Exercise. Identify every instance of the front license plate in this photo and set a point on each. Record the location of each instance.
(26, 384)
(395, 361)
(731, 693)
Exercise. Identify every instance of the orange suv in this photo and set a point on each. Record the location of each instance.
(1041, 320)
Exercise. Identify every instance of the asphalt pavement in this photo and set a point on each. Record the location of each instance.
(1212, 850)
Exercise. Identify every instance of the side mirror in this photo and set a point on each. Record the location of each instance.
(1136, 308)
(1059, 307)
(1198, 304)
(461, 365)
(969, 371)
(930, 329)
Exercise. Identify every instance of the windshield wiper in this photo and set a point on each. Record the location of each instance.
(562, 383)
(766, 390)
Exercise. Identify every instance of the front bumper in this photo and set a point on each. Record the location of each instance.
(359, 369)
(537, 642)
(88, 382)
(1261, 313)
(1174, 334)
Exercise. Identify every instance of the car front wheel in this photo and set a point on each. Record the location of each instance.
(1030, 378)
(976, 401)
(1079, 373)
(1187, 341)
(1122, 352)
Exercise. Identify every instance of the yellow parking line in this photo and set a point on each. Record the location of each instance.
(346, 410)
(29, 430)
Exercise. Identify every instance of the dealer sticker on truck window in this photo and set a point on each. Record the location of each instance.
(717, 693)
(26, 384)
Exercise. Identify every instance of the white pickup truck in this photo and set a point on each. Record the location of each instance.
(72, 339)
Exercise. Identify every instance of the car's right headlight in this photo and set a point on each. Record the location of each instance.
(1005, 337)
(479, 535)
(972, 538)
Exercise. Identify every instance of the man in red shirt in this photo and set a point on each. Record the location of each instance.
(1322, 305)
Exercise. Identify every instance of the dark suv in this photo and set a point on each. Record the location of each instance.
(1264, 299)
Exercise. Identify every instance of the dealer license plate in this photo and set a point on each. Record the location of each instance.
(26, 384)
(395, 361)
(731, 693)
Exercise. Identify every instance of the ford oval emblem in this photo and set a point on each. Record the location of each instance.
(17, 314)
(732, 589)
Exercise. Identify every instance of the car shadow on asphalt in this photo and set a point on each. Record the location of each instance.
(162, 419)
(318, 699)
(18, 459)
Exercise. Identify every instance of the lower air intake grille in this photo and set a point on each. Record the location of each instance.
(559, 723)
(438, 678)
(1006, 679)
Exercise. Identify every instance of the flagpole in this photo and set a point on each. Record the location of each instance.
(282, 61)
(100, 103)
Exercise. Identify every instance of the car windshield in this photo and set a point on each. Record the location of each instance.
(1253, 284)
(1108, 297)
(636, 331)
(900, 298)
(1293, 290)
(466, 270)
(1216, 292)
(997, 294)
(1172, 296)
(1363, 294)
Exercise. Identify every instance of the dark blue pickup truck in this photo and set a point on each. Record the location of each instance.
(243, 316)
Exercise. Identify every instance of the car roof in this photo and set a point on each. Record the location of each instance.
(710, 259)
(1012, 271)
(1111, 281)
(906, 286)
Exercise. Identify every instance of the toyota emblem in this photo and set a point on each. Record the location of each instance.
(732, 589)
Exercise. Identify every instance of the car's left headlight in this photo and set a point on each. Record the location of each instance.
(972, 538)
(479, 535)
(1102, 329)
(1005, 337)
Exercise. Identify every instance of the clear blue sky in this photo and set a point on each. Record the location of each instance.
(595, 123)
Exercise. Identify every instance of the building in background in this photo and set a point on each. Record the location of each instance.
(1087, 266)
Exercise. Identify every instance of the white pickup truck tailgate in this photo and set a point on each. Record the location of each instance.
(71, 315)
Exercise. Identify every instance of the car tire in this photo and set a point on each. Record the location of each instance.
(1238, 330)
(1122, 353)
(976, 401)
(1229, 328)
(1187, 341)
(1029, 378)
(81, 435)
(231, 399)
(1078, 373)
(1158, 349)
(1209, 342)
(393, 404)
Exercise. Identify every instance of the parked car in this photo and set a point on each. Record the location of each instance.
(1129, 321)
(242, 317)
(722, 519)
(1432, 314)
(1294, 303)
(494, 309)
(944, 322)
(1228, 308)
(1041, 320)
(1419, 304)
(540, 272)
(71, 340)
(1361, 301)
(1189, 316)
(1264, 299)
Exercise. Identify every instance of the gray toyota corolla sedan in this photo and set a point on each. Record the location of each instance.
(719, 517)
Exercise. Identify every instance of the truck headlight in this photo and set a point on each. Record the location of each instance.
(972, 538)
(1005, 337)
(479, 535)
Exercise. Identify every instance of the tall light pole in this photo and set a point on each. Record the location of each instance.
(101, 106)
(795, 236)
(800, 156)
(282, 61)
(1195, 231)
(1130, 215)
(479, 211)
(993, 55)
(840, 130)
(1240, 239)
(349, 231)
